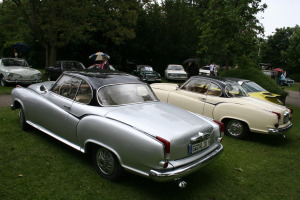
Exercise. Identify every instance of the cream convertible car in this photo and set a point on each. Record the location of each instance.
(226, 101)
(118, 119)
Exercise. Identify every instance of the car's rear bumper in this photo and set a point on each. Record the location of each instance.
(280, 130)
(172, 174)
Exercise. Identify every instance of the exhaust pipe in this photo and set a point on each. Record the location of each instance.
(181, 183)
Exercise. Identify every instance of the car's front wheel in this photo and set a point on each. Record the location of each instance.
(107, 164)
(236, 128)
(2, 81)
(23, 124)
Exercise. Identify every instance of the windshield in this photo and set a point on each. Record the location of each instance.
(252, 87)
(121, 94)
(14, 62)
(175, 67)
(146, 69)
(235, 90)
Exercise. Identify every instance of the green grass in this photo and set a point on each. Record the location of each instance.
(294, 87)
(35, 166)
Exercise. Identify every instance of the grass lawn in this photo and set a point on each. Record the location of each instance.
(294, 87)
(35, 166)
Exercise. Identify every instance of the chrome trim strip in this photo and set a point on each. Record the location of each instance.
(55, 136)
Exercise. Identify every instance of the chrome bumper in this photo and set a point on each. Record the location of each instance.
(172, 174)
(280, 130)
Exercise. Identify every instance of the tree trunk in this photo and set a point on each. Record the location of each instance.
(50, 54)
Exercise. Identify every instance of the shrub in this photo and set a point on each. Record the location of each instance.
(256, 75)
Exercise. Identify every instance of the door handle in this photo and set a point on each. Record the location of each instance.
(201, 98)
(67, 106)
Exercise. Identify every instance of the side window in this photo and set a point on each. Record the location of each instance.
(196, 85)
(214, 90)
(84, 94)
(66, 86)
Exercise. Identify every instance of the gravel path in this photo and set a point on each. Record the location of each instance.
(5, 100)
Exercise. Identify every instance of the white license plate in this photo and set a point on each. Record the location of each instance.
(194, 148)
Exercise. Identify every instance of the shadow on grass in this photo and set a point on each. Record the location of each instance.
(268, 139)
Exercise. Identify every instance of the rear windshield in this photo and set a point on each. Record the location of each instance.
(252, 87)
(121, 94)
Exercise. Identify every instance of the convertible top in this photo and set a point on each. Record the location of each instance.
(104, 77)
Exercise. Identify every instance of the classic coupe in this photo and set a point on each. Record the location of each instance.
(117, 119)
(226, 101)
(54, 71)
(255, 90)
(146, 73)
(17, 71)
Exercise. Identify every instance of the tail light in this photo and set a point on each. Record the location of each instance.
(278, 115)
(221, 125)
(167, 149)
(291, 110)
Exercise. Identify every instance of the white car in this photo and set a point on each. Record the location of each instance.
(175, 72)
(17, 71)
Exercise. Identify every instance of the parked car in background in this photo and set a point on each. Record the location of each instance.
(204, 70)
(175, 72)
(226, 101)
(146, 73)
(255, 90)
(288, 82)
(53, 72)
(117, 119)
(17, 71)
(98, 66)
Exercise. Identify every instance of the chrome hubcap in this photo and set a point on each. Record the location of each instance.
(235, 128)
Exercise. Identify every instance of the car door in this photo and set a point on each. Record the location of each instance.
(191, 96)
(54, 114)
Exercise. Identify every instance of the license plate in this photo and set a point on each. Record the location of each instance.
(196, 147)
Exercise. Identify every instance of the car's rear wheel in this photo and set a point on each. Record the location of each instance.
(107, 164)
(23, 124)
(236, 128)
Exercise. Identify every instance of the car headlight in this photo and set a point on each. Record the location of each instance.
(12, 76)
(37, 76)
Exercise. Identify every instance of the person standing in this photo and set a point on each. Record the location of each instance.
(212, 69)
(104, 64)
(192, 69)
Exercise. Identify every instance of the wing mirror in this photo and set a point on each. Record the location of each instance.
(43, 89)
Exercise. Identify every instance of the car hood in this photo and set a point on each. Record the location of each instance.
(21, 70)
(265, 94)
(161, 119)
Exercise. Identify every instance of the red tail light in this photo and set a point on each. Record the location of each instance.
(167, 146)
(221, 125)
(278, 115)
(291, 110)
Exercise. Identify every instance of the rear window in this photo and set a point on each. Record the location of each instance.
(113, 95)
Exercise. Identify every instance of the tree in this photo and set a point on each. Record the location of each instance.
(229, 30)
(54, 24)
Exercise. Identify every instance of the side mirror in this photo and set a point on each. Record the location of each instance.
(43, 89)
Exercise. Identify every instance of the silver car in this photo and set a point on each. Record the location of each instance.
(17, 71)
(117, 119)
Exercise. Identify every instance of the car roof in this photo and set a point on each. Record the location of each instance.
(104, 77)
(238, 80)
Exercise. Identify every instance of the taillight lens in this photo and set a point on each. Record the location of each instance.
(167, 146)
(291, 110)
(278, 115)
(221, 125)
